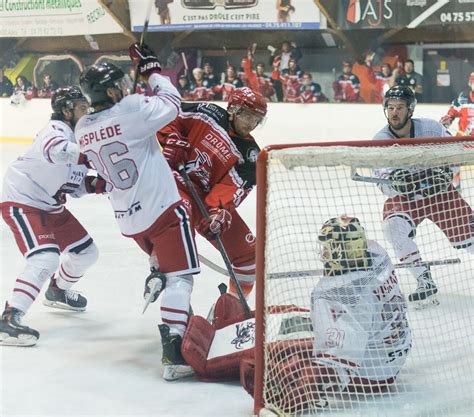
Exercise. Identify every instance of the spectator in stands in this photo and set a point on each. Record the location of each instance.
(257, 80)
(347, 86)
(412, 79)
(291, 81)
(22, 91)
(199, 88)
(184, 87)
(49, 86)
(6, 86)
(209, 75)
(230, 82)
(310, 92)
(288, 50)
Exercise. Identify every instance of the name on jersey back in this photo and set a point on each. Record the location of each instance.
(100, 135)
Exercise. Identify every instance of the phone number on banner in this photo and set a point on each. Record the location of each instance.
(456, 17)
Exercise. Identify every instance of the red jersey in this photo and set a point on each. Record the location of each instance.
(463, 107)
(291, 85)
(221, 164)
(347, 89)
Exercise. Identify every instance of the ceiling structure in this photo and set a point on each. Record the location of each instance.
(220, 42)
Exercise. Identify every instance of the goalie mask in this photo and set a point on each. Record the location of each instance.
(343, 246)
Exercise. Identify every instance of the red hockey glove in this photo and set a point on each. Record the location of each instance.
(176, 150)
(144, 57)
(219, 221)
(84, 161)
(95, 185)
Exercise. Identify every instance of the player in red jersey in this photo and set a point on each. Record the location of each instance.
(220, 155)
(462, 108)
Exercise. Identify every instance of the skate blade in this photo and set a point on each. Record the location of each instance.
(62, 306)
(22, 340)
(175, 372)
(426, 303)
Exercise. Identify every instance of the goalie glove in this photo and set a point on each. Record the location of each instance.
(144, 57)
(176, 150)
(219, 221)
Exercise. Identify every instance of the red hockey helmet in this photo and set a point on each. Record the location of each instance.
(247, 99)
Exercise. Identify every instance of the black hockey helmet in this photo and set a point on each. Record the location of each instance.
(65, 97)
(96, 79)
(400, 92)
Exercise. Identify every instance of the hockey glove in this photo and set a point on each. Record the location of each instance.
(144, 57)
(176, 150)
(446, 120)
(95, 185)
(435, 181)
(403, 182)
(219, 221)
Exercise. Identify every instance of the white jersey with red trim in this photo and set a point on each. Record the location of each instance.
(120, 142)
(47, 171)
(359, 320)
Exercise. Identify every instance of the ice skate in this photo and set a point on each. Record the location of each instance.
(174, 366)
(64, 299)
(12, 332)
(425, 293)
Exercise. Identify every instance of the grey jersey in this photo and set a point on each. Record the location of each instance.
(422, 128)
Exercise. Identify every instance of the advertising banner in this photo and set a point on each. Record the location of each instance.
(177, 15)
(31, 18)
(387, 14)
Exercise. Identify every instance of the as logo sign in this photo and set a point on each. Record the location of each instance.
(369, 12)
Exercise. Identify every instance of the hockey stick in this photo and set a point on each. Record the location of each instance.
(374, 180)
(316, 272)
(142, 41)
(220, 246)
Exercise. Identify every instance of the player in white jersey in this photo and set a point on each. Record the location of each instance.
(418, 194)
(118, 137)
(34, 193)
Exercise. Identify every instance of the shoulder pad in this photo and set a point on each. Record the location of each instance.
(212, 110)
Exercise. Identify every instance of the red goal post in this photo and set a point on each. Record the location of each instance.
(299, 186)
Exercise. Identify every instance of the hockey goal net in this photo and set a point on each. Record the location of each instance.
(299, 188)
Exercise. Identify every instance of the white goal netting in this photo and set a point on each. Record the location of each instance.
(305, 186)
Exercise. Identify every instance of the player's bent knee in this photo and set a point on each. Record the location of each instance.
(397, 230)
(43, 264)
(86, 257)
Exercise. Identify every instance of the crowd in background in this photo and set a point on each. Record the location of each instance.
(280, 79)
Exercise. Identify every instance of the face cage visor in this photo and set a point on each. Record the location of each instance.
(247, 116)
(124, 84)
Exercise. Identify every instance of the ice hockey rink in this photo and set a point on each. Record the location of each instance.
(107, 361)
